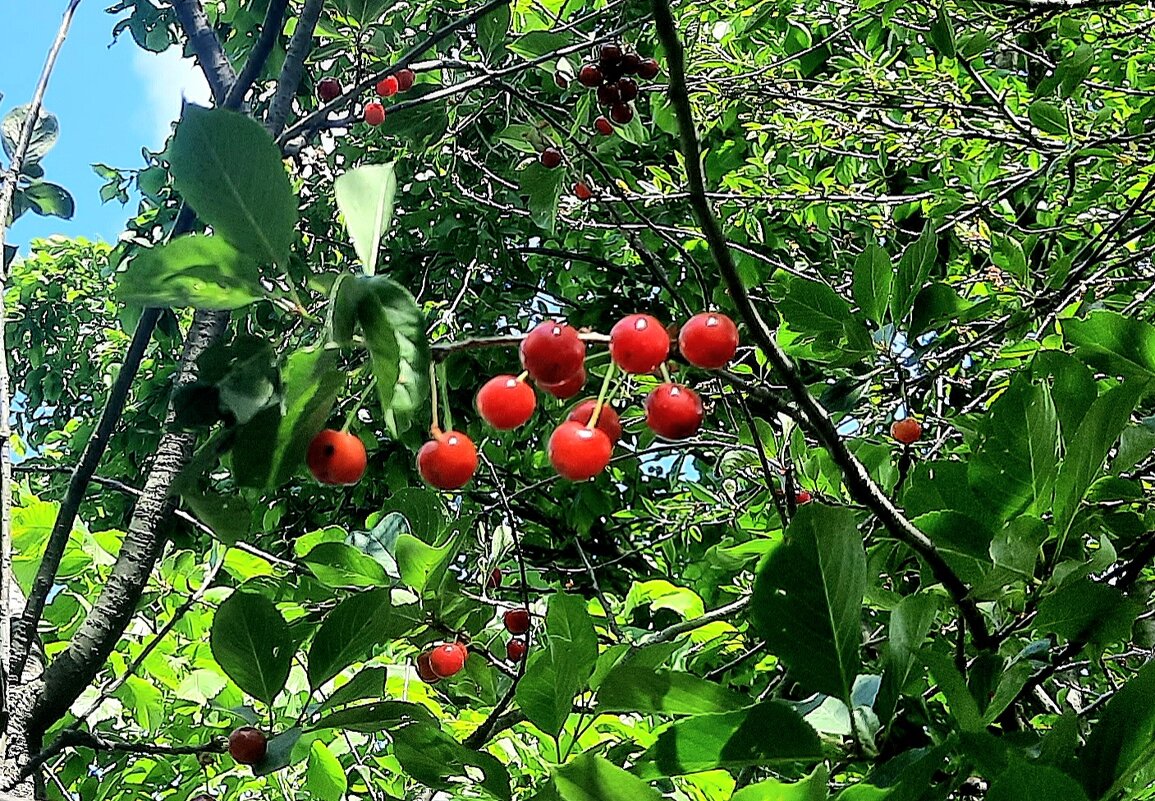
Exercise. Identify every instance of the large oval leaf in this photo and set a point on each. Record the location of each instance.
(251, 642)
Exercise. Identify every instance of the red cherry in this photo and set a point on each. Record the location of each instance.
(621, 113)
(405, 79)
(515, 650)
(608, 421)
(425, 669)
(579, 453)
(608, 94)
(248, 746)
(590, 76)
(604, 126)
(708, 340)
(802, 497)
(611, 53)
(552, 352)
(329, 89)
(648, 69)
(907, 430)
(505, 403)
(494, 579)
(336, 457)
(627, 89)
(674, 411)
(582, 190)
(388, 86)
(550, 158)
(448, 659)
(374, 114)
(561, 80)
(630, 63)
(639, 343)
(564, 390)
(448, 461)
(516, 621)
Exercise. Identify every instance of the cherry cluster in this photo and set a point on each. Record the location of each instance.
(611, 75)
(329, 89)
(553, 355)
(448, 659)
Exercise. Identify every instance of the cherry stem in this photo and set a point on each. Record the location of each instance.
(435, 423)
(610, 370)
(524, 375)
(442, 377)
(349, 418)
(666, 374)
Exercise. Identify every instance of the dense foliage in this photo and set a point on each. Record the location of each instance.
(942, 212)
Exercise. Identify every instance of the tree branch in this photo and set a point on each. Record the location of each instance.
(299, 46)
(678, 629)
(255, 64)
(858, 481)
(210, 55)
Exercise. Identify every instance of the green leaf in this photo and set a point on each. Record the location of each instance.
(204, 272)
(228, 516)
(365, 198)
(1048, 117)
(1074, 69)
(873, 276)
(49, 200)
(336, 564)
(543, 187)
(958, 696)
(251, 642)
(228, 169)
(324, 777)
(44, 133)
(637, 689)
(1120, 743)
(280, 754)
(808, 599)
(769, 734)
(556, 673)
(492, 30)
(422, 565)
(591, 778)
(348, 634)
(904, 778)
(310, 386)
(812, 788)
(429, 755)
(914, 268)
(942, 33)
(814, 308)
(910, 624)
(1084, 609)
(1114, 343)
(1024, 781)
(376, 717)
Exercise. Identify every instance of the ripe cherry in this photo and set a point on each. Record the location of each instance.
(425, 670)
(552, 352)
(336, 457)
(448, 460)
(608, 421)
(708, 340)
(590, 76)
(802, 497)
(639, 343)
(648, 69)
(388, 86)
(611, 53)
(608, 94)
(448, 659)
(374, 114)
(907, 430)
(516, 621)
(561, 80)
(582, 190)
(550, 158)
(674, 411)
(248, 745)
(505, 402)
(405, 79)
(515, 650)
(630, 63)
(627, 89)
(494, 579)
(621, 113)
(564, 390)
(604, 126)
(329, 89)
(579, 453)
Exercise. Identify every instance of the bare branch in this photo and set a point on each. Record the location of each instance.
(270, 29)
(299, 47)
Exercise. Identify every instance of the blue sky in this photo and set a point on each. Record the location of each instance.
(111, 100)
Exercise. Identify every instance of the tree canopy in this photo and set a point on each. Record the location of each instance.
(941, 213)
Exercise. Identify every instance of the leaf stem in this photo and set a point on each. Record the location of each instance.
(358, 406)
